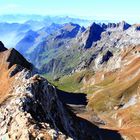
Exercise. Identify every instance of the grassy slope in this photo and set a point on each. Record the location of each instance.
(111, 95)
(71, 83)
(118, 90)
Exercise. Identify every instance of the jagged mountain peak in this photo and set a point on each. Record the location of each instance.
(91, 35)
(117, 26)
(12, 62)
(14, 57)
(68, 30)
(95, 27)
(123, 25)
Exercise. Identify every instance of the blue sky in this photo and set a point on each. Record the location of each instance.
(98, 9)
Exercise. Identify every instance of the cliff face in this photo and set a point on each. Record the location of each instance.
(93, 34)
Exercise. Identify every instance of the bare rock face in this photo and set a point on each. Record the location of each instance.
(14, 57)
(92, 34)
(120, 26)
(123, 25)
(106, 57)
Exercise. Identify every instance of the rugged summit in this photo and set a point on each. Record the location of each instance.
(91, 35)
(121, 26)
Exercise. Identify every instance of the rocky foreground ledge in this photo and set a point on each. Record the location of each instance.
(30, 108)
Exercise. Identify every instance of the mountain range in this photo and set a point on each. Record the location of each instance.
(92, 86)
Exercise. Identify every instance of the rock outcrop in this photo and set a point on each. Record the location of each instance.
(29, 105)
(121, 26)
(14, 57)
(31, 109)
(91, 35)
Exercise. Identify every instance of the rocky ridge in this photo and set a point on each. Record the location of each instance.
(31, 109)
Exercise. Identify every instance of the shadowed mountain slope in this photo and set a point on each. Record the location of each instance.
(30, 107)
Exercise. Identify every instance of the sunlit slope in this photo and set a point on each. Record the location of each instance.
(118, 87)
